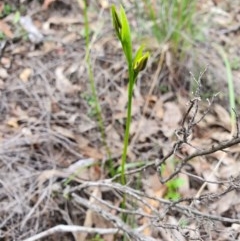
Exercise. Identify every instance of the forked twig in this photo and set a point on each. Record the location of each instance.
(183, 134)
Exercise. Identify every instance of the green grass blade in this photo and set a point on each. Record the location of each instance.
(231, 92)
(126, 36)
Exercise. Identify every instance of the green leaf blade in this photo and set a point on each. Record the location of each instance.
(116, 22)
(126, 35)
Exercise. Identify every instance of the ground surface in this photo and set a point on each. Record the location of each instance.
(51, 153)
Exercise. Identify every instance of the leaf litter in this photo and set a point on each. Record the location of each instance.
(47, 132)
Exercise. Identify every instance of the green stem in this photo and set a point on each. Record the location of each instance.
(126, 135)
(94, 92)
(128, 122)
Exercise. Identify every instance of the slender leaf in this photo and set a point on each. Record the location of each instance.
(126, 36)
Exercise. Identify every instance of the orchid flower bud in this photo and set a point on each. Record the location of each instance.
(141, 63)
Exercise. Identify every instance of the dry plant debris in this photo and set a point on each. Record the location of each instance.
(52, 182)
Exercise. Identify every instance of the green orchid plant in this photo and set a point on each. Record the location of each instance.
(135, 65)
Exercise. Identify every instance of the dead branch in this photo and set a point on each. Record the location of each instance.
(117, 222)
(72, 228)
(188, 211)
(218, 147)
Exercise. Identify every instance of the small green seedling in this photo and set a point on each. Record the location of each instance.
(2, 36)
(173, 184)
(135, 65)
(172, 189)
(7, 9)
(91, 101)
(97, 238)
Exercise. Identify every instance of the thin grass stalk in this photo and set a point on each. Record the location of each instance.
(231, 93)
(94, 91)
